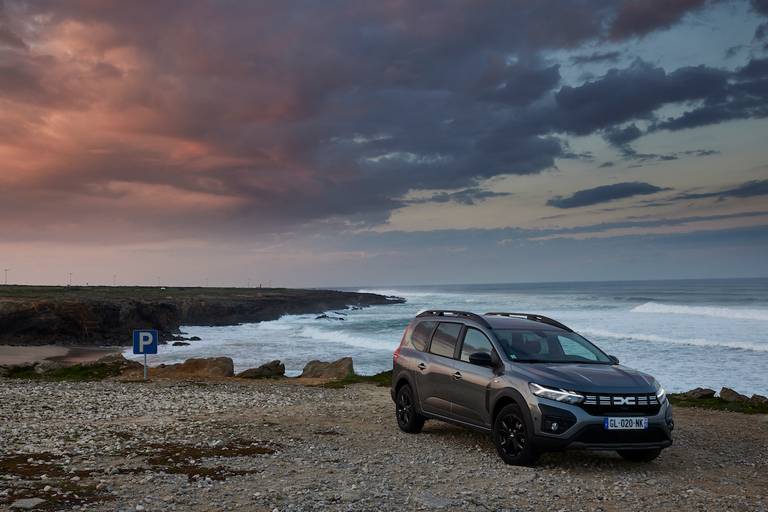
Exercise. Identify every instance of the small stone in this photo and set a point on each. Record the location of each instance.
(27, 503)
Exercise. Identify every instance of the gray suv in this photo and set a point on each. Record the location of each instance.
(529, 381)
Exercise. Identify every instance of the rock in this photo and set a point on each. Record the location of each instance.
(198, 367)
(730, 395)
(271, 370)
(42, 367)
(179, 344)
(116, 360)
(194, 338)
(326, 317)
(759, 400)
(27, 503)
(4, 371)
(698, 394)
(334, 370)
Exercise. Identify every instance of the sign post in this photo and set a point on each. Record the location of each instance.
(145, 342)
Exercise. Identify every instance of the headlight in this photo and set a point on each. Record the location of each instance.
(660, 393)
(561, 395)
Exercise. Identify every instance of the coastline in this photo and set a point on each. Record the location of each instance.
(105, 316)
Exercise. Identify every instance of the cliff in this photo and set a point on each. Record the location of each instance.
(32, 315)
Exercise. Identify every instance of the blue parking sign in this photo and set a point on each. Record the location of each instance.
(145, 341)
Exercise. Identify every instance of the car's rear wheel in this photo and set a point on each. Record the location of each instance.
(640, 455)
(408, 418)
(512, 438)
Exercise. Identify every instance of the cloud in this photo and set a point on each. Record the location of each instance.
(604, 194)
(280, 115)
(468, 196)
(752, 188)
(594, 57)
(640, 17)
(622, 136)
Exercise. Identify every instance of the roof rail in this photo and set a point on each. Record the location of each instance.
(536, 318)
(461, 314)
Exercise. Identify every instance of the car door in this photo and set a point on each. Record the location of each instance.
(470, 389)
(435, 376)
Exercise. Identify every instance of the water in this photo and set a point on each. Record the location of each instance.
(690, 333)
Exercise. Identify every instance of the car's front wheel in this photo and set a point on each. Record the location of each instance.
(408, 418)
(640, 455)
(512, 438)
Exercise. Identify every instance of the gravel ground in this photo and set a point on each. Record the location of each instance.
(281, 446)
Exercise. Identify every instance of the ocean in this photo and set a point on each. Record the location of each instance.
(687, 333)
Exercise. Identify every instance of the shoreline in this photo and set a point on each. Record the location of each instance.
(13, 355)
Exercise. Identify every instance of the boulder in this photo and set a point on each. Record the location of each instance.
(198, 367)
(698, 394)
(4, 371)
(118, 361)
(194, 338)
(271, 370)
(730, 395)
(334, 370)
(759, 400)
(45, 366)
(179, 344)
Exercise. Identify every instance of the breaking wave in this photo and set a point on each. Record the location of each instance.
(710, 311)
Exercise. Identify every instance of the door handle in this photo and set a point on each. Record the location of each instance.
(457, 376)
(422, 366)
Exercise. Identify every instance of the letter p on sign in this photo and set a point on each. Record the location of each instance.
(145, 341)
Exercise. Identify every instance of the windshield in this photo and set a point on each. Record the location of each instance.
(545, 346)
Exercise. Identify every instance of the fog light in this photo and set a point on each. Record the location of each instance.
(554, 426)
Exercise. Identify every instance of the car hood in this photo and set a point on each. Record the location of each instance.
(597, 378)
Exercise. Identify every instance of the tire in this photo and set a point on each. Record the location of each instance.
(640, 455)
(408, 418)
(513, 438)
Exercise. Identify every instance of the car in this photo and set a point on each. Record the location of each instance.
(530, 382)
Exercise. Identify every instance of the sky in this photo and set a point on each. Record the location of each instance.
(347, 143)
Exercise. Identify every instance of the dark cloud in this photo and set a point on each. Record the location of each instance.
(468, 196)
(761, 6)
(743, 96)
(634, 93)
(640, 17)
(266, 116)
(591, 58)
(622, 136)
(752, 188)
(604, 194)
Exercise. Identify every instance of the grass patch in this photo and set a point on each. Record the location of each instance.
(718, 404)
(383, 379)
(77, 372)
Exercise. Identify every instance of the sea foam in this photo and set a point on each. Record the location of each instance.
(711, 311)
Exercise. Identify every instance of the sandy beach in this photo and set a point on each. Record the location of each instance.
(17, 355)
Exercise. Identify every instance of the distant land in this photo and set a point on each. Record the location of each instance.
(106, 315)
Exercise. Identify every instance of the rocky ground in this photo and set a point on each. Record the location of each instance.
(256, 445)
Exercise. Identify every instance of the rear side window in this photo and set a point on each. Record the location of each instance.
(421, 334)
(444, 339)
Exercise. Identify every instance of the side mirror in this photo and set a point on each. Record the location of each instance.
(481, 359)
(614, 359)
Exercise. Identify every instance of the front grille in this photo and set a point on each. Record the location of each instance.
(596, 434)
(621, 405)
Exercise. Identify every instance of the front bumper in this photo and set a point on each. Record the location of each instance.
(585, 431)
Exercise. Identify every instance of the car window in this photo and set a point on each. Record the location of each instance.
(475, 341)
(421, 334)
(444, 339)
(575, 349)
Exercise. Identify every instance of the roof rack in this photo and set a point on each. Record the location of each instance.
(462, 314)
(534, 317)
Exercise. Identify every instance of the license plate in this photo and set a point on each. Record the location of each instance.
(625, 423)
